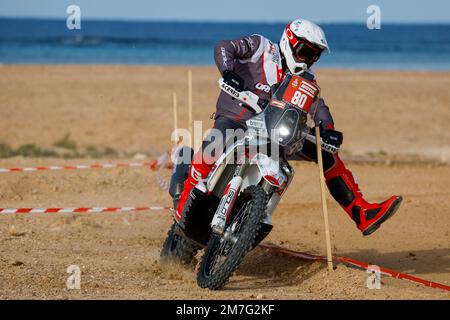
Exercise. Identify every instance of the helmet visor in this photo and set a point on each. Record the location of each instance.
(307, 52)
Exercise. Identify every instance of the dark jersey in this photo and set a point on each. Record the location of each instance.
(258, 61)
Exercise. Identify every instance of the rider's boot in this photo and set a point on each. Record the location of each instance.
(192, 210)
(344, 189)
(198, 173)
(182, 159)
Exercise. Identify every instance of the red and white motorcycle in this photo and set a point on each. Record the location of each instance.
(231, 212)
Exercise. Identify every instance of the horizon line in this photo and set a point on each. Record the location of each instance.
(115, 19)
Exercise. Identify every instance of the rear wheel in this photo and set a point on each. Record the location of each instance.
(177, 248)
(224, 253)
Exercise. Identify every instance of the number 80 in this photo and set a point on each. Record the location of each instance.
(299, 99)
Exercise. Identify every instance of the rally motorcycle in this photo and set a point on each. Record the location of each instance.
(230, 212)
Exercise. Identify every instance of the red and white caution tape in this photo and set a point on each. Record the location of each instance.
(81, 209)
(163, 160)
(394, 274)
(160, 162)
(75, 167)
(356, 263)
(162, 182)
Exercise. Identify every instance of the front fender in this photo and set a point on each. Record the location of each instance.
(270, 170)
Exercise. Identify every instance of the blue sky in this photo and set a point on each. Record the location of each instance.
(397, 11)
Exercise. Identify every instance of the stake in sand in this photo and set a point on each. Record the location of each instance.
(324, 199)
(191, 133)
(175, 119)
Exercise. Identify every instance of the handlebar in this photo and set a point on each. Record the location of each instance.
(253, 101)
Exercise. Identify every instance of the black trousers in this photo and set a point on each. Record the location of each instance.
(309, 153)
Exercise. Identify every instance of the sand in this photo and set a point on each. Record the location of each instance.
(391, 115)
(130, 107)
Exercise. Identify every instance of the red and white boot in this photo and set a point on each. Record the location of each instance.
(344, 189)
(199, 171)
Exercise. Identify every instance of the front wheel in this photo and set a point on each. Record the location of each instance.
(224, 253)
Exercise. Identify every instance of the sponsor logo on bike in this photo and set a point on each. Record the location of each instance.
(307, 87)
(257, 124)
(227, 203)
(276, 103)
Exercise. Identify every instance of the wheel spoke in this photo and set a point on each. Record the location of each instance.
(218, 256)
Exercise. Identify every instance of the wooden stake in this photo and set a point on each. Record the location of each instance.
(190, 107)
(324, 199)
(175, 118)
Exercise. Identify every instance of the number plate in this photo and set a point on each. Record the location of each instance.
(301, 93)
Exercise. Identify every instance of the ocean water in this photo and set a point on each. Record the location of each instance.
(32, 41)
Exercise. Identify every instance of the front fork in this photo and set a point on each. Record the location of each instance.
(228, 199)
(231, 193)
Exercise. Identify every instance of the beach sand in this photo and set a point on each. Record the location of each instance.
(130, 107)
(385, 115)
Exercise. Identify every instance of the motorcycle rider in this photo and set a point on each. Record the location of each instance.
(257, 63)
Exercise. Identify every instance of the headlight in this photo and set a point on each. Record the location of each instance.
(284, 132)
(287, 126)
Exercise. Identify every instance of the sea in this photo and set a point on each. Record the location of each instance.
(46, 41)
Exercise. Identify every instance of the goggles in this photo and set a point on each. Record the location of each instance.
(307, 52)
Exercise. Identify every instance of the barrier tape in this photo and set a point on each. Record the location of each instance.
(91, 166)
(355, 263)
(162, 160)
(162, 182)
(81, 209)
(156, 164)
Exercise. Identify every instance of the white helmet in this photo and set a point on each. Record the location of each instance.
(301, 44)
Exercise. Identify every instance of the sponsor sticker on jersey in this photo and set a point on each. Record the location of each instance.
(262, 87)
(230, 90)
